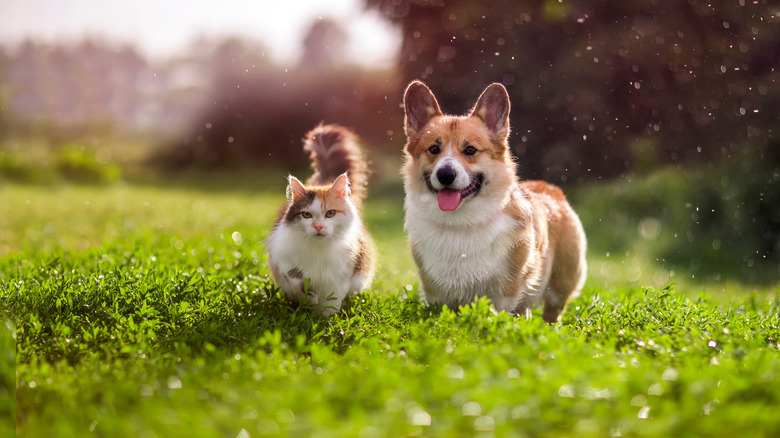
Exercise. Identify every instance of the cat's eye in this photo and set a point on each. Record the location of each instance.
(306, 214)
(434, 149)
(330, 213)
(470, 150)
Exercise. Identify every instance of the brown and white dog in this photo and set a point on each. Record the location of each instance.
(474, 228)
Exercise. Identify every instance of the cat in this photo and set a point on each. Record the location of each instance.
(319, 248)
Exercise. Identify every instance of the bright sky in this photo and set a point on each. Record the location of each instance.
(162, 27)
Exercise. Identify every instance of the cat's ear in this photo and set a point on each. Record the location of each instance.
(341, 186)
(295, 189)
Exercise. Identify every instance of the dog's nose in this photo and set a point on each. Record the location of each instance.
(446, 175)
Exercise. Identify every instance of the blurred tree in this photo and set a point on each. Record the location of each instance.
(224, 59)
(62, 91)
(324, 46)
(257, 113)
(594, 82)
(4, 91)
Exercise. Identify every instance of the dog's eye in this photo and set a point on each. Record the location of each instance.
(306, 214)
(434, 150)
(470, 150)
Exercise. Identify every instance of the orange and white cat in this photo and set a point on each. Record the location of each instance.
(319, 235)
(475, 229)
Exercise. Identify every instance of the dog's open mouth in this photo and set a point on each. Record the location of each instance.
(450, 199)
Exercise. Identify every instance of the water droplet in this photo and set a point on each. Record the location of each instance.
(484, 424)
(455, 372)
(655, 389)
(566, 391)
(472, 409)
(174, 382)
(670, 374)
(418, 417)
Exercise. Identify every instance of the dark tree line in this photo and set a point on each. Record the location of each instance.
(602, 86)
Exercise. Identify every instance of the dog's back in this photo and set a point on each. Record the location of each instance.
(566, 266)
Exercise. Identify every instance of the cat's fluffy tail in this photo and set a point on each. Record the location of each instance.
(333, 150)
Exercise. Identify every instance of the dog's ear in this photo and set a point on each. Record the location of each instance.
(420, 106)
(493, 108)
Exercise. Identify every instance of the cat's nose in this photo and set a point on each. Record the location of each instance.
(318, 227)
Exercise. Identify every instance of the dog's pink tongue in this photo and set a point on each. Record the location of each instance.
(449, 199)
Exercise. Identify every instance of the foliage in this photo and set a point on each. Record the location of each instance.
(149, 312)
(72, 162)
(588, 79)
(77, 163)
(16, 167)
(718, 222)
(7, 378)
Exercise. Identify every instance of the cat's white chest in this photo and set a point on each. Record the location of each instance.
(326, 262)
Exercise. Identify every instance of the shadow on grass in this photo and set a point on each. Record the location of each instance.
(264, 318)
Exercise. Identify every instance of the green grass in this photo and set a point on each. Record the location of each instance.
(7, 378)
(146, 311)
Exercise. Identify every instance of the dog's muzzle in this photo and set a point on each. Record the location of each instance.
(450, 199)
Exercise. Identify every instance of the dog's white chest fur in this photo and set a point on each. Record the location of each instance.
(463, 262)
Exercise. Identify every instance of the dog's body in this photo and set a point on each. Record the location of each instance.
(474, 229)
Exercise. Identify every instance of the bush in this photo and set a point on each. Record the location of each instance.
(717, 220)
(16, 167)
(76, 163)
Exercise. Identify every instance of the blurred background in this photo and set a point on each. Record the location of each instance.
(658, 118)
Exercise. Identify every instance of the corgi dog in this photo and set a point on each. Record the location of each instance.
(474, 228)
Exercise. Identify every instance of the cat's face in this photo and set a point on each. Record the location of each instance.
(319, 212)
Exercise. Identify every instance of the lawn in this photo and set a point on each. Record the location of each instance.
(147, 310)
